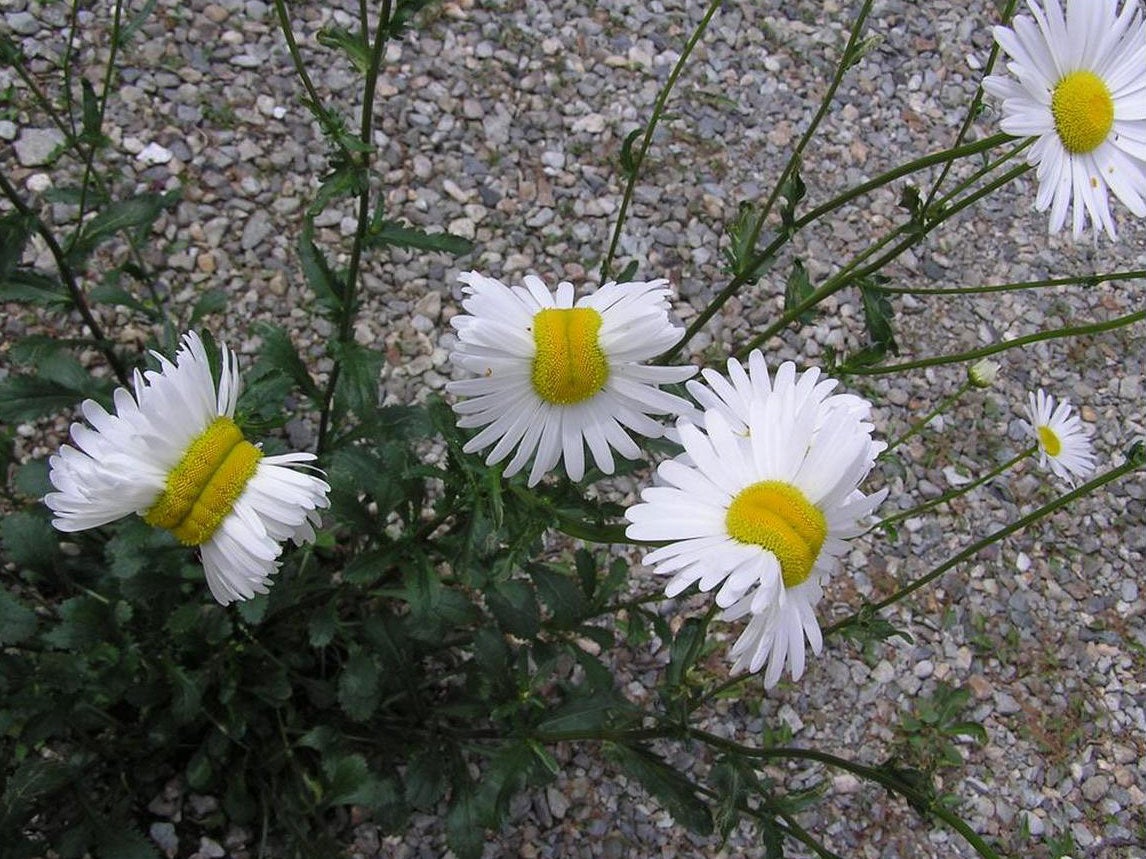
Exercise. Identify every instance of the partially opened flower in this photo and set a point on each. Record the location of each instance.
(553, 375)
(173, 454)
(762, 507)
(1064, 443)
(1081, 92)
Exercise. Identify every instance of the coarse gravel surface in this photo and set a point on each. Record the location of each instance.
(503, 122)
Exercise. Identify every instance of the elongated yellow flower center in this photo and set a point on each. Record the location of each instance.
(569, 366)
(202, 489)
(1051, 443)
(1083, 111)
(776, 516)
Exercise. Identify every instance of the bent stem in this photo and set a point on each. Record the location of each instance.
(646, 140)
(1132, 463)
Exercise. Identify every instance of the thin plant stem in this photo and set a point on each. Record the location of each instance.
(79, 300)
(831, 205)
(918, 426)
(349, 302)
(954, 493)
(1132, 463)
(845, 63)
(995, 348)
(647, 139)
(1084, 279)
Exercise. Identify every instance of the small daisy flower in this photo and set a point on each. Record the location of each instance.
(1081, 92)
(173, 455)
(1064, 443)
(553, 375)
(761, 504)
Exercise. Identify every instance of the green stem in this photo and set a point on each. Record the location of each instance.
(954, 493)
(349, 304)
(1083, 279)
(851, 274)
(918, 426)
(646, 141)
(845, 63)
(831, 205)
(79, 300)
(1134, 462)
(995, 348)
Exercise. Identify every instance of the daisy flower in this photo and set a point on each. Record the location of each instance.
(172, 454)
(1081, 92)
(762, 505)
(1064, 443)
(553, 375)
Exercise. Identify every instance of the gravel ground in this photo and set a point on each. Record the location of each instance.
(503, 121)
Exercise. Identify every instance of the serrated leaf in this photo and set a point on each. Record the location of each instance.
(797, 290)
(113, 294)
(359, 690)
(186, 693)
(328, 287)
(349, 180)
(792, 191)
(278, 353)
(585, 714)
(29, 541)
(84, 621)
(404, 13)
(135, 213)
(91, 112)
(30, 287)
(323, 624)
(628, 159)
(359, 385)
(15, 231)
(351, 44)
(676, 792)
(17, 621)
(394, 234)
(426, 778)
(25, 398)
(211, 301)
(878, 313)
(560, 594)
(464, 832)
(514, 606)
(686, 648)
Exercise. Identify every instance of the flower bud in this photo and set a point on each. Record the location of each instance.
(982, 374)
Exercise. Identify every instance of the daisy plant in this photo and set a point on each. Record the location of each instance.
(1079, 89)
(173, 454)
(761, 505)
(552, 375)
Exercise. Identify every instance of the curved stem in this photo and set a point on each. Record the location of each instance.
(1084, 279)
(995, 348)
(954, 493)
(646, 141)
(1131, 464)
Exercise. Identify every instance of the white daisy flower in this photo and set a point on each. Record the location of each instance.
(173, 455)
(762, 507)
(554, 375)
(1064, 443)
(1081, 91)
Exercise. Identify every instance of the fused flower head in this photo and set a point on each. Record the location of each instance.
(760, 505)
(1081, 93)
(173, 455)
(1063, 440)
(983, 373)
(552, 375)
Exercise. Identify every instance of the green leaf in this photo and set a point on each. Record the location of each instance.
(734, 781)
(404, 13)
(136, 21)
(628, 272)
(352, 44)
(17, 622)
(394, 234)
(665, 783)
(29, 541)
(793, 191)
(797, 290)
(30, 287)
(358, 389)
(464, 832)
(26, 398)
(323, 624)
(328, 287)
(186, 694)
(426, 778)
(84, 622)
(135, 213)
(560, 594)
(211, 301)
(878, 314)
(359, 689)
(115, 295)
(278, 353)
(628, 159)
(514, 606)
(686, 649)
(349, 180)
(586, 714)
(91, 113)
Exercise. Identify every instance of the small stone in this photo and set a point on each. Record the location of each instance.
(8, 129)
(1006, 704)
(257, 228)
(210, 848)
(38, 183)
(558, 804)
(37, 146)
(923, 669)
(884, 672)
(592, 123)
(980, 685)
(1035, 824)
(163, 834)
(1095, 787)
(205, 262)
(463, 227)
(845, 783)
(215, 13)
(23, 23)
(153, 154)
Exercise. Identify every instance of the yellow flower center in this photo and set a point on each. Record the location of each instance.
(776, 516)
(1051, 443)
(1083, 111)
(569, 365)
(202, 489)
